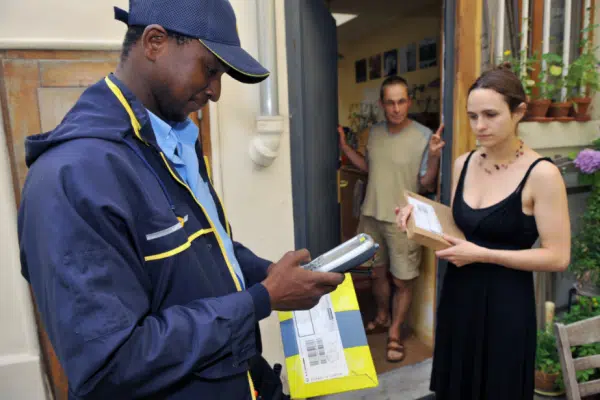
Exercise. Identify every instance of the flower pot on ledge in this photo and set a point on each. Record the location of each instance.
(581, 106)
(546, 383)
(537, 110)
(560, 112)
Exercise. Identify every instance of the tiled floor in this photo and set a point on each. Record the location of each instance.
(410, 382)
(416, 352)
(406, 380)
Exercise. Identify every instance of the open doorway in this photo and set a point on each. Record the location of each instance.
(328, 81)
(377, 39)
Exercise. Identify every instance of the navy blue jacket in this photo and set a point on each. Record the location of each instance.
(133, 286)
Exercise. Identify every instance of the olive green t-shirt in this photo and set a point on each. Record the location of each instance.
(396, 161)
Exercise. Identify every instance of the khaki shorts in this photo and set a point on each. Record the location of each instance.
(402, 255)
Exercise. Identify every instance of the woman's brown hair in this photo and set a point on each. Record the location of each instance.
(502, 80)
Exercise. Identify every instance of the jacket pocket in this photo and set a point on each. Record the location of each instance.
(164, 238)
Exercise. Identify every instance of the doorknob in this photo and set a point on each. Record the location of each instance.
(343, 183)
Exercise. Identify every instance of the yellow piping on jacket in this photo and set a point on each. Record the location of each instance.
(179, 249)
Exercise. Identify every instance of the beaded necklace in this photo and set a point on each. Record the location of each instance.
(499, 166)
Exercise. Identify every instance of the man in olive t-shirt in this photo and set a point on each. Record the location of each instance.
(401, 155)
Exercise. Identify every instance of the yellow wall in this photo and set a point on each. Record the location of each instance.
(406, 31)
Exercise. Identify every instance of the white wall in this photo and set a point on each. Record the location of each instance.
(20, 365)
(258, 201)
(61, 24)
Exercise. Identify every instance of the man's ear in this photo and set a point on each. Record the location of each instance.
(154, 41)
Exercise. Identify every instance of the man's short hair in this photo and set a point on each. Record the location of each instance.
(392, 80)
(135, 32)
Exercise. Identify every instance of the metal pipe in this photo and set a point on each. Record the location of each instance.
(546, 35)
(267, 55)
(566, 44)
(500, 29)
(586, 24)
(524, 35)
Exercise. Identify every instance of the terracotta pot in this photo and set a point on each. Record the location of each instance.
(559, 110)
(545, 382)
(537, 109)
(581, 106)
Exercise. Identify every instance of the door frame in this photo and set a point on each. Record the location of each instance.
(296, 93)
(462, 21)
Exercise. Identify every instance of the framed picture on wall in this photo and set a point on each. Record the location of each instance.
(360, 69)
(375, 66)
(428, 53)
(408, 58)
(390, 63)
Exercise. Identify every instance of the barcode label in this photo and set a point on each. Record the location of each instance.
(421, 207)
(316, 352)
(319, 343)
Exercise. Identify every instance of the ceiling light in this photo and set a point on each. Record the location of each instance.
(343, 18)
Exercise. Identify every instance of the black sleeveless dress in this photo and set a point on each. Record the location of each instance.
(486, 324)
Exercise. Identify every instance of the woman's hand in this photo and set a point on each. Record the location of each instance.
(462, 252)
(402, 215)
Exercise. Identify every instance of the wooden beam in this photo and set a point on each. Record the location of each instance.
(467, 48)
(537, 36)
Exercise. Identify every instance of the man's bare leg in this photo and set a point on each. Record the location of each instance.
(400, 306)
(380, 286)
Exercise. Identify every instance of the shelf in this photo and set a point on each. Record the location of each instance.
(560, 137)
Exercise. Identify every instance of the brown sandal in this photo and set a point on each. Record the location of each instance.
(394, 346)
(376, 326)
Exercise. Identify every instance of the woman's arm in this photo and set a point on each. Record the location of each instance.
(551, 214)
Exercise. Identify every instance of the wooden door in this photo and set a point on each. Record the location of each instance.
(37, 88)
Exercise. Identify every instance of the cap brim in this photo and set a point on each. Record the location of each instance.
(242, 66)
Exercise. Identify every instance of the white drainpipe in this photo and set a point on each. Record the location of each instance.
(264, 146)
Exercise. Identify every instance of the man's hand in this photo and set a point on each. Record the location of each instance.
(436, 143)
(293, 288)
(402, 215)
(342, 139)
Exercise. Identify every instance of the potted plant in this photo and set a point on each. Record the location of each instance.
(523, 65)
(547, 363)
(551, 82)
(585, 253)
(583, 79)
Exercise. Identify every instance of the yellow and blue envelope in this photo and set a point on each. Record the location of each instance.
(361, 372)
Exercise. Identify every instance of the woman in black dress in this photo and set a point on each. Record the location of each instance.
(504, 196)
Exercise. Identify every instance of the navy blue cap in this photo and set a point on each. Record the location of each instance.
(212, 22)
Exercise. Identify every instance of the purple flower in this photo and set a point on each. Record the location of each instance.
(588, 161)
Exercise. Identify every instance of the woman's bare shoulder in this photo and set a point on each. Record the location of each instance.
(460, 162)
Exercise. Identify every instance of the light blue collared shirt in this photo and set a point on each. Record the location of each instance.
(177, 141)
